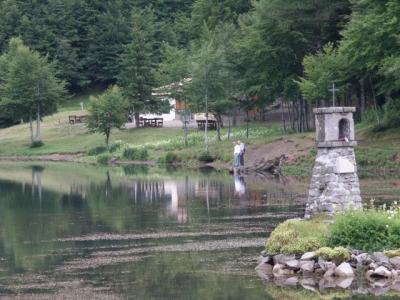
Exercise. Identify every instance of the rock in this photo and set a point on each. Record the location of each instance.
(277, 268)
(382, 271)
(329, 273)
(368, 275)
(364, 259)
(307, 281)
(327, 283)
(344, 283)
(395, 276)
(281, 259)
(266, 268)
(325, 265)
(319, 272)
(373, 266)
(265, 259)
(307, 266)
(395, 262)
(308, 256)
(293, 264)
(285, 272)
(388, 266)
(379, 257)
(264, 253)
(344, 270)
(292, 281)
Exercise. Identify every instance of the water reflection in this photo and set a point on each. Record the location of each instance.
(115, 227)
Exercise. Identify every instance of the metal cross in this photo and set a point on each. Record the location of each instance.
(333, 90)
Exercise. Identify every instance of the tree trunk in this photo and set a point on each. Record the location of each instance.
(283, 119)
(31, 125)
(378, 118)
(362, 100)
(38, 123)
(206, 128)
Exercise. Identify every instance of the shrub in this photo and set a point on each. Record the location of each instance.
(103, 158)
(97, 151)
(171, 158)
(337, 254)
(114, 147)
(36, 144)
(371, 229)
(136, 154)
(297, 237)
(205, 157)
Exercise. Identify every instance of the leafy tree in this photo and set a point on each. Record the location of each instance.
(172, 74)
(369, 41)
(29, 86)
(209, 75)
(107, 112)
(321, 70)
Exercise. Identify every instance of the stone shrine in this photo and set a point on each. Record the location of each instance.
(334, 183)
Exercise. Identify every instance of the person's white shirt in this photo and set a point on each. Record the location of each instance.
(236, 150)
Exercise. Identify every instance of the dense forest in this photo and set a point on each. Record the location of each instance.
(237, 54)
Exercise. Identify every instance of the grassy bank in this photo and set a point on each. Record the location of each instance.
(374, 152)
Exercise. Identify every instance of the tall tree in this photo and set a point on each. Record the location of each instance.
(209, 73)
(172, 75)
(136, 77)
(29, 86)
(107, 112)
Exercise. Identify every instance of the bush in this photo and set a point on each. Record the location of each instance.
(103, 158)
(136, 154)
(205, 157)
(337, 254)
(297, 237)
(37, 144)
(372, 229)
(114, 147)
(171, 158)
(97, 151)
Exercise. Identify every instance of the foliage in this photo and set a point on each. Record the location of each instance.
(103, 158)
(107, 112)
(36, 144)
(170, 158)
(29, 87)
(371, 229)
(337, 254)
(136, 154)
(297, 237)
(205, 157)
(96, 151)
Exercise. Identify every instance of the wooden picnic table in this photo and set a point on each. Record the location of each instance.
(151, 122)
(211, 124)
(77, 119)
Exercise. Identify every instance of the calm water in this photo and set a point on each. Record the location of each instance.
(74, 231)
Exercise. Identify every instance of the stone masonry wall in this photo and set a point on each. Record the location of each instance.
(334, 184)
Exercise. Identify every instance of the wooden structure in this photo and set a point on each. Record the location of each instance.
(151, 122)
(77, 119)
(211, 124)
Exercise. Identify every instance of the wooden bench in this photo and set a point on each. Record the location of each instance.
(151, 122)
(211, 124)
(77, 119)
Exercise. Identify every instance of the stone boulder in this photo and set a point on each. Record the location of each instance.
(344, 270)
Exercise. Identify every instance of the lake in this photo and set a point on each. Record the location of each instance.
(77, 231)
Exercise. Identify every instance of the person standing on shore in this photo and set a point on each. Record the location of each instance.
(241, 154)
(236, 153)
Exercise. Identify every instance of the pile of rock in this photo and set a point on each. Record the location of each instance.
(375, 266)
